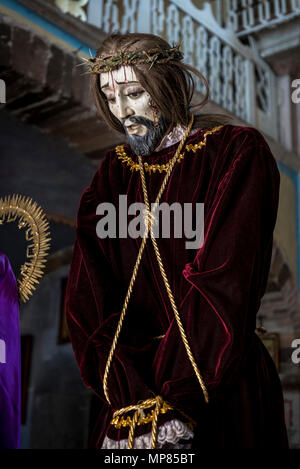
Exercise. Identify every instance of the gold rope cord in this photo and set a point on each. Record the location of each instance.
(168, 288)
(33, 219)
(137, 263)
(138, 408)
(120, 421)
(158, 402)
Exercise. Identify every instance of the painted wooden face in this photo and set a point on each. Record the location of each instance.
(127, 98)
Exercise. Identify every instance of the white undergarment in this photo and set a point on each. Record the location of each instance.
(173, 137)
(168, 435)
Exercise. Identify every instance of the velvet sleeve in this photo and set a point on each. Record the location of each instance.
(94, 302)
(227, 278)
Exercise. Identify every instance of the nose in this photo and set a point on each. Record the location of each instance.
(124, 109)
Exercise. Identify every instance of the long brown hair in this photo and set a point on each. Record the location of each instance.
(170, 85)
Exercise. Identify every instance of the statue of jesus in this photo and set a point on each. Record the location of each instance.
(165, 335)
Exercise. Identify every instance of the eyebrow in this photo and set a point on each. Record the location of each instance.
(106, 85)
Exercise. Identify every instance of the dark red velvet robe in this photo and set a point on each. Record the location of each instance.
(217, 289)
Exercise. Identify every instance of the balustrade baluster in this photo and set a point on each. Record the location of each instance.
(188, 42)
(173, 26)
(157, 17)
(111, 16)
(227, 73)
(95, 13)
(129, 20)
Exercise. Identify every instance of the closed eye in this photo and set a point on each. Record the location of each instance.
(134, 94)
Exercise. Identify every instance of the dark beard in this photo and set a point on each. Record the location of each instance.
(146, 145)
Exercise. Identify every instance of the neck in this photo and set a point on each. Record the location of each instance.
(173, 135)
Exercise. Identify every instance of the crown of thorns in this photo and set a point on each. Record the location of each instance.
(150, 56)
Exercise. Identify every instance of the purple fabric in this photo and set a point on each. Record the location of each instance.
(10, 359)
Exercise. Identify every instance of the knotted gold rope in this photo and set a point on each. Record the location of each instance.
(158, 400)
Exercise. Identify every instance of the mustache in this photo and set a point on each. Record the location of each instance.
(139, 120)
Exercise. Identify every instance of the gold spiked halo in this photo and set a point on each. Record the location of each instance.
(33, 220)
